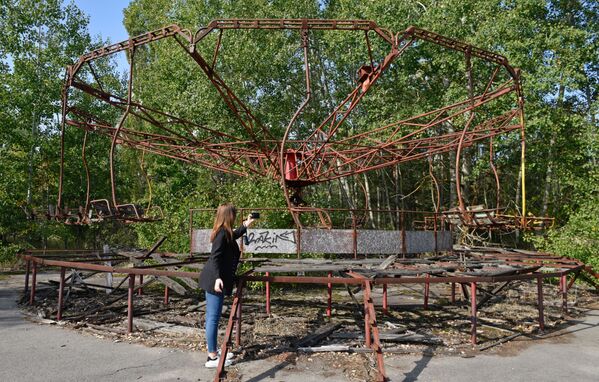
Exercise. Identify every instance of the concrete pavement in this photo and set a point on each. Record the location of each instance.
(570, 355)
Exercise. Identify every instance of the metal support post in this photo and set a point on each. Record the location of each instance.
(130, 303)
(540, 302)
(385, 305)
(473, 313)
(60, 294)
(27, 270)
(141, 282)
(330, 296)
(267, 295)
(33, 283)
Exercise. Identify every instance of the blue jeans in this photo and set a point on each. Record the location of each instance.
(214, 306)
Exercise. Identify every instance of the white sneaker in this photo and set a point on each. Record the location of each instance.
(212, 363)
(230, 354)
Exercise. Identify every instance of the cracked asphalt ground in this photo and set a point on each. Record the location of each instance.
(33, 352)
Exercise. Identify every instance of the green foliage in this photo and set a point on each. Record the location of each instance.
(579, 237)
(8, 254)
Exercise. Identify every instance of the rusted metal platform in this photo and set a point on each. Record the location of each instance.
(470, 268)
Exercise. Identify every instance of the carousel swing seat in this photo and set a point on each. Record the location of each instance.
(128, 212)
(137, 213)
(476, 216)
(67, 215)
(484, 218)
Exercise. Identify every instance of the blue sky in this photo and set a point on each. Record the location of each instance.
(106, 21)
(105, 17)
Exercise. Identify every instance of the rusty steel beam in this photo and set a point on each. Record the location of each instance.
(371, 324)
(325, 280)
(167, 31)
(130, 294)
(540, 303)
(453, 44)
(232, 318)
(166, 295)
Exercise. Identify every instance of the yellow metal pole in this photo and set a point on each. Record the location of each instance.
(523, 162)
(518, 81)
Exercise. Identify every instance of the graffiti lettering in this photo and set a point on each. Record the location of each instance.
(269, 239)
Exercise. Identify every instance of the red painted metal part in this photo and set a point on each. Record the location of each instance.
(372, 325)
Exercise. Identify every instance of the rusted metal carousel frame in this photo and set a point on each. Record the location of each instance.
(369, 311)
(255, 154)
(564, 266)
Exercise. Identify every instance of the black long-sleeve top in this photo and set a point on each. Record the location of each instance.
(223, 261)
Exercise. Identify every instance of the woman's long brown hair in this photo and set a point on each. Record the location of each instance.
(225, 218)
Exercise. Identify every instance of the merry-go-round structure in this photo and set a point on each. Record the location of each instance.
(417, 247)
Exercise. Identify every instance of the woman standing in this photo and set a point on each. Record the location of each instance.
(218, 273)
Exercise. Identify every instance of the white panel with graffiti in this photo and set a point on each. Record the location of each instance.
(270, 241)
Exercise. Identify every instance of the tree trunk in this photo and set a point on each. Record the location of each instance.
(396, 175)
(386, 195)
(367, 188)
(452, 175)
(466, 159)
(550, 155)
